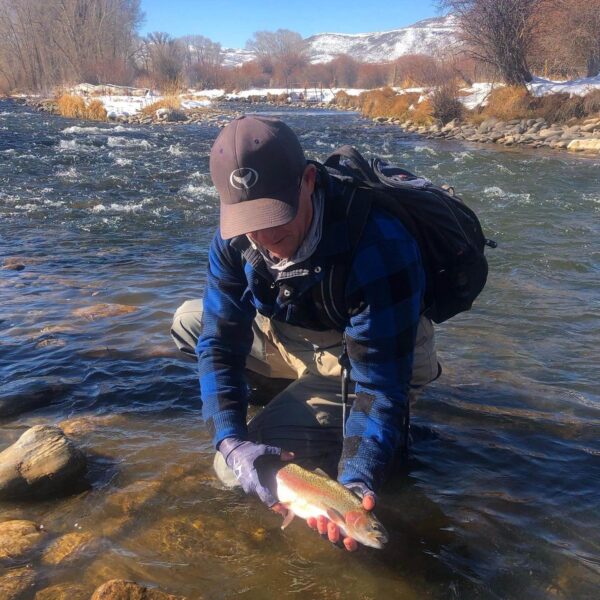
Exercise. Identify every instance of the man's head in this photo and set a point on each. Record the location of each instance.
(264, 183)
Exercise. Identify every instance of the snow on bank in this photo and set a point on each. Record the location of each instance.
(133, 100)
(575, 87)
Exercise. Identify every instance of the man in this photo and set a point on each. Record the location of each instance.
(282, 229)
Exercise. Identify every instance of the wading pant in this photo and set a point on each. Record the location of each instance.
(306, 417)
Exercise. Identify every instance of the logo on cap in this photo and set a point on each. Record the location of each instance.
(243, 179)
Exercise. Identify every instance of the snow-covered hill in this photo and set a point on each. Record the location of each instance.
(429, 36)
(424, 37)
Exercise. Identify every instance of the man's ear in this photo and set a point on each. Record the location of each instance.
(310, 177)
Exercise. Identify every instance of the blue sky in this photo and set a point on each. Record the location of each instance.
(232, 22)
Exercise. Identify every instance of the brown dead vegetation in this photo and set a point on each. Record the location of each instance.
(71, 106)
(172, 102)
(75, 107)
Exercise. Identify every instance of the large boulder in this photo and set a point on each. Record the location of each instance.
(118, 589)
(585, 145)
(40, 463)
(170, 115)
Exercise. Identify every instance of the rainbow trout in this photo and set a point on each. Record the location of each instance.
(313, 493)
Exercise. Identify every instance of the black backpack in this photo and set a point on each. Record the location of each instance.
(447, 231)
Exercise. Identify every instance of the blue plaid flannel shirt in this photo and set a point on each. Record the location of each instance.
(387, 273)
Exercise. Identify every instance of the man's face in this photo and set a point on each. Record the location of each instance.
(283, 241)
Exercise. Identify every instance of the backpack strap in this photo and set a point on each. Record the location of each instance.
(330, 294)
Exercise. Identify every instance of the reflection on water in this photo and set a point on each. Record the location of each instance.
(111, 225)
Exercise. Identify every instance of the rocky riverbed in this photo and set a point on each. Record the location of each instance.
(532, 133)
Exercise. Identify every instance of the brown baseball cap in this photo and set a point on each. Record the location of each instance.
(256, 164)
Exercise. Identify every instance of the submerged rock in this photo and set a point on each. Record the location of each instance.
(119, 589)
(29, 393)
(101, 311)
(41, 462)
(67, 548)
(15, 583)
(18, 539)
(63, 591)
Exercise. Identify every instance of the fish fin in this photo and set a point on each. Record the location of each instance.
(335, 516)
(288, 518)
(321, 472)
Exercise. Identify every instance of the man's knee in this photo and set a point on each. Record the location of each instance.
(187, 325)
(426, 367)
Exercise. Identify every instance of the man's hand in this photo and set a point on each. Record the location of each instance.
(326, 527)
(242, 456)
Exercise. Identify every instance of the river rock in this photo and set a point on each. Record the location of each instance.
(101, 311)
(119, 589)
(15, 583)
(67, 548)
(170, 115)
(18, 539)
(29, 393)
(63, 591)
(41, 462)
(586, 145)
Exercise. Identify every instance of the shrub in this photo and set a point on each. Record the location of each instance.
(172, 102)
(71, 106)
(445, 104)
(507, 103)
(95, 111)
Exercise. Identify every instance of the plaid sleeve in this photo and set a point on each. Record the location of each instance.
(387, 274)
(224, 344)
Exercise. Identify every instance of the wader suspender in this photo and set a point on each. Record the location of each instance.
(345, 364)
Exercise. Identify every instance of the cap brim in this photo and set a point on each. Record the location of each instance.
(254, 215)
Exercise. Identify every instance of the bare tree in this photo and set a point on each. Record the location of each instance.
(498, 32)
(569, 35)
(282, 51)
(203, 60)
(44, 42)
(166, 57)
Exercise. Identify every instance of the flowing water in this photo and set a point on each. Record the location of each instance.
(501, 498)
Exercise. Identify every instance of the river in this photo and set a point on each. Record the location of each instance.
(501, 498)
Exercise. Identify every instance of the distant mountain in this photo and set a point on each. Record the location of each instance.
(429, 36)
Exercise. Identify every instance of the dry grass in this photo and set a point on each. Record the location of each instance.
(95, 111)
(558, 108)
(172, 102)
(74, 107)
(71, 106)
(386, 103)
(507, 103)
(422, 113)
(344, 100)
(591, 103)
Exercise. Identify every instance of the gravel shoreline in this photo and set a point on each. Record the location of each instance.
(533, 133)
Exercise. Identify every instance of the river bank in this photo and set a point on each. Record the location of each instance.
(581, 137)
